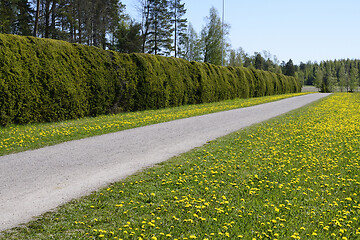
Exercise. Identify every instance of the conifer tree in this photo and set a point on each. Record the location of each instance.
(289, 68)
(24, 18)
(178, 11)
(159, 35)
(15, 17)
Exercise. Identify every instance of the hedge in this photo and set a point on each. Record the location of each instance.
(44, 80)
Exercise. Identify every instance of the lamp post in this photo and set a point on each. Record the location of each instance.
(222, 33)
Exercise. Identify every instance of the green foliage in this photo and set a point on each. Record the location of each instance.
(44, 80)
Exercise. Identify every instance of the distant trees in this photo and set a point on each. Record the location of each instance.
(236, 57)
(330, 75)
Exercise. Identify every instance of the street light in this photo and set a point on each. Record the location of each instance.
(222, 33)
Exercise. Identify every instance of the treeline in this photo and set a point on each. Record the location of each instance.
(44, 80)
(100, 23)
(162, 30)
(95, 23)
(328, 76)
(342, 75)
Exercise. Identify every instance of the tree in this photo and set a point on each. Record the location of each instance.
(236, 58)
(24, 19)
(342, 78)
(6, 16)
(329, 80)
(179, 25)
(319, 75)
(192, 45)
(128, 39)
(15, 17)
(156, 27)
(289, 69)
(259, 61)
(354, 78)
(211, 36)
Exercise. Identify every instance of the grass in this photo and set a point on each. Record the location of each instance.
(17, 138)
(293, 177)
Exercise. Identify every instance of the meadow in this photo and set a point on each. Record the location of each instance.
(293, 177)
(17, 138)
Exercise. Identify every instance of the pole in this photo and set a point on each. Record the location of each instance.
(222, 33)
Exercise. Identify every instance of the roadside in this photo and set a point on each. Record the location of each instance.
(37, 181)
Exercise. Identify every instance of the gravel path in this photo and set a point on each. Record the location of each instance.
(34, 182)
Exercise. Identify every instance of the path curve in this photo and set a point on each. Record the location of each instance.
(34, 182)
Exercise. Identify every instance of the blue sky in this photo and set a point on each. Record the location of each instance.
(298, 29)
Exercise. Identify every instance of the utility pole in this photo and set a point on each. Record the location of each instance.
(222, 33)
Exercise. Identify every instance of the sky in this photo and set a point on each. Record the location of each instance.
(301, 30)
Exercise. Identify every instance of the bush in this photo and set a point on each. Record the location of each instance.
(43, 80)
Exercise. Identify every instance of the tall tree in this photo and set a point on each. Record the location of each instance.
(212, 35)
(24, 18)
(178, 11)
(37, 17)
(15, 17)
(159, 39)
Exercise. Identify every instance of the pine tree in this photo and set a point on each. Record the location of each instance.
(15, 17)
(128, 39)
(159, 34)
(179, 25)
(289, 69)
(24, 18)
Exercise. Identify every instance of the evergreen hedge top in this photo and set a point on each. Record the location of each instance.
(48, 80)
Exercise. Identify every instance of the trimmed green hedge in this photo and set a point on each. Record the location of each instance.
(43, 80)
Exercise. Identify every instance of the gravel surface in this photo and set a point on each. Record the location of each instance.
(34, 182)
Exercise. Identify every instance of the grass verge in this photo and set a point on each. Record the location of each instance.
(17, 138)
(293, 177)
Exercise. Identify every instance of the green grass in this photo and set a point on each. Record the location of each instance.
(17, 138)
(293, 177)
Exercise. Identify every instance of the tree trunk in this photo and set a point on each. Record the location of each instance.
(47, 18)
(145, 28)
(36, 27)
